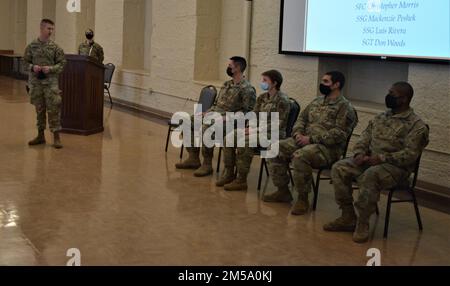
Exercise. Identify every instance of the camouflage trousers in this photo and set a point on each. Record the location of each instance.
(371, 181)
(207, 153)
(47, 100)
(303, 159)
(239, 157)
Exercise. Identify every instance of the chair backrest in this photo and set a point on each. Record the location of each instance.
(347, 144)
(293, 116)
(109, 72)
(416, 169)
(207, 97)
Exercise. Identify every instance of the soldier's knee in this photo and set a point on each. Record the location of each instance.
(304, 155)
(372, 176)
(244, 151)
(339, 168)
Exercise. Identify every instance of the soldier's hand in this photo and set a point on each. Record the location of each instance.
(305, 141)
(375, 160)
(360, 159)
(46, 69)
(36, 69)
(298, 139)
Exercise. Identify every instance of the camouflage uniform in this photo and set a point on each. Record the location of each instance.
(242, 157)
(44, 93)
(328, 123)
(399, 140)
(94, 50)
(232, 97)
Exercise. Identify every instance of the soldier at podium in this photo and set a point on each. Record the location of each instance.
(45, 60)
(91, 48)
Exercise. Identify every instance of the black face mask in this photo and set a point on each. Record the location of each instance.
(89, 36)
(325, 90)
(392, 102)
(230, 72)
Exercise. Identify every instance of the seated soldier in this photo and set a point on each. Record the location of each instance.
(319, 139)
(237, 95)
(272, 100)
(385, 157)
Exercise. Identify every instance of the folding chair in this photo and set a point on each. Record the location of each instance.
(207, 98)
(293, 116)
(408, 189)
(109, 72)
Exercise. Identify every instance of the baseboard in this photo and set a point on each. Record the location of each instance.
(139, 110)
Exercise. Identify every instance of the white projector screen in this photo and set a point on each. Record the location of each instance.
(387, 29)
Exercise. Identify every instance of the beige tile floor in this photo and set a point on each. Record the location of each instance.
(118, 198)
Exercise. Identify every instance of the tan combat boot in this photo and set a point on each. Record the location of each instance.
(57, 141)
(240, 184)
(282, 195)
(228, 177)
(191, 163)
(39, 140)
(361, 234)
(302, 205)
(345, 223)
(206, 169)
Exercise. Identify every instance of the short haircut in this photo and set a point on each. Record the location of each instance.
(47, 21)
(241, 62)
(337, 76)
(404, 88)
(275, 76)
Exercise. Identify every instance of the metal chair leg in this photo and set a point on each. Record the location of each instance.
(219, 159)
(316, 189)
(182, 152)
(110, 98)
(261, 170)
(168, 138)
(290, 175)
(266, 167)
(416, 209)
(388, 214)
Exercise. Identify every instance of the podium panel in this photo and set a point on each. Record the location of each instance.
(82, 85)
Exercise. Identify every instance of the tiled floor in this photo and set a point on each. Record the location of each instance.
(118, 198)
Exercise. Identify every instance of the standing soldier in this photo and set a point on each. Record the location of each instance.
(272, 100)
(45, 61)
(91, 48)
(385, 156)
(319, 139)
(237, 95)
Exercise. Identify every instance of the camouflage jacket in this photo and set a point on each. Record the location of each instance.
(279, 103)
(44, 54)
(328, 122)
(399, 138)
(94, 50)
(232, 97)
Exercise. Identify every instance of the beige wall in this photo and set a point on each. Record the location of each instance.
(232, 34)
(34, 16)
(207, 48)
(85, 20)
(20, 25)
(7, 22)
(180, 43)
(109, 16)
(66, 28)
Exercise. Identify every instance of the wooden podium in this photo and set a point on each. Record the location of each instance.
(82, 85)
